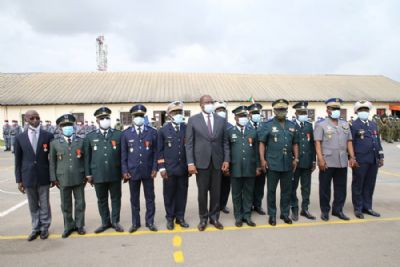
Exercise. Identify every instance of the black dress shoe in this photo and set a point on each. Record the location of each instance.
(286, 219)
(295, 214)
(238, 223)
(33, 235)
(217, 225)
(67, 233)
(133, 228)
(307, 214)
(272, 220)
(371, 212)
(152, 227)
(225, 210)
(170, 225)
(325, 216)
(259, 210)
(81, 231)
(102, 228)
(359, 214)
(202, 226)
(182, 223)
(44, 234)
(249, 222)
(117, 227)
(341, 215)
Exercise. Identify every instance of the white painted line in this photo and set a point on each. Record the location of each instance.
(398, 146)
(14, 208)
(8, 192)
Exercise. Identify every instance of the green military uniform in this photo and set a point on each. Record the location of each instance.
(67, 168)
(244, 162)
(103, 164)
(119, 126)
(279, 141)
(307, 161)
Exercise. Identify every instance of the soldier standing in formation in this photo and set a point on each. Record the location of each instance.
(15, 130)
(6, 135)
(103, 169)
(119, 126)
(172, 165)
(279, 156)
(68, 173)
(139, 165)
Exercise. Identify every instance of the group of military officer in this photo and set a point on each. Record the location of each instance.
(286, 152)
(9, 134)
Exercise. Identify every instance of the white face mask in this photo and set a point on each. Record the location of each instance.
(302, 118)
(256, 118)
(178, 118)
(222, 114)
(243, 121)
(105, 124)
(363, 115)
(335, 114)
(138, 121)
(208, 108)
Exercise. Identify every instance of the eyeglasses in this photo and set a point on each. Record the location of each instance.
(34, 118)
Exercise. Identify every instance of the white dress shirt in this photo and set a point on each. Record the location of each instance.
(205, 116)
(30, 133)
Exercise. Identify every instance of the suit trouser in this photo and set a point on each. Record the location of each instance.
(102, 190)
(259, 187)
(7, 141)
(242, 197)
(78, 192)
(339, 178)
(209, 180)
(225, 190)
(148, 188)
(304, 177)
(39, 207)
(363, 185)
(285, 180)
(175, 191)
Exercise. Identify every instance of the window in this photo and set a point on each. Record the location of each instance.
(311, 114)
(126, 118)
(79, 117)
(343, 114)
(159, 118)
(381, 111)
(266, 114)
(186, 113)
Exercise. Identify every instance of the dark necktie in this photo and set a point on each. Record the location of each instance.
(242, 130)
(302, 125)
(209, 125)
(255, 125)
(177, 128)
(69, 140)
(105, 134)
(140, 131)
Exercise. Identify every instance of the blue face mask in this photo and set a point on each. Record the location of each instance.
(363, 115)
(335, 114)
(256, 118)
(302, 118)
(178, 118)
(138, 121)
(68, 130)
(243, 121)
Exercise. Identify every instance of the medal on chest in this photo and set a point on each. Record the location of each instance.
(45, 148)
(308, 137)
(361, 133)
(147, 144)
(78, 153)
(114, 144)
(250, 140)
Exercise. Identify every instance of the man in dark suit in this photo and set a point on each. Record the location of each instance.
(207, 154)
(32, 173)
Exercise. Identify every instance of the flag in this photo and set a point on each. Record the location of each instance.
(252, 100)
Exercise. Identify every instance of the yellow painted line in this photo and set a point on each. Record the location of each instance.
(212, 229)
(178, 256)
(177, 241)
(389, 173)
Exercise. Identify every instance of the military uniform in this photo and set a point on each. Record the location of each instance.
(369, 155)
(244, 161)
(80, 131)
(48, 127)
(279, 142)
(15, 130)
(307, 161)
(103, 165)
(259, 185)
(6, 136)
(119, 126)
(334, 139)
(67, 168)
(172, 159)
(138, 159)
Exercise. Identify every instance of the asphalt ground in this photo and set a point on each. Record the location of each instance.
(368, 242)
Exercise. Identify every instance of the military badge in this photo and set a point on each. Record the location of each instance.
(250, 140)
(45, 148)
(147, 144)
(78, 153)
(114, 144)
(308, 137)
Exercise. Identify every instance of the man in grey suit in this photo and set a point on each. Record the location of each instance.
(207, 153)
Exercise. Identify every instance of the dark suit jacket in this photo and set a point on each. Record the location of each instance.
(32, 169)
(201, 149)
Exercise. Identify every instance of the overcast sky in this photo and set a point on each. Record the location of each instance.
(241, 36)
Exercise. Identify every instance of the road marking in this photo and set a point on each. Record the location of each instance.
(389, 173)
(209, 229)
(178, 254)
(177, 241)
(9, 192)
(398, 146)
(14, 208)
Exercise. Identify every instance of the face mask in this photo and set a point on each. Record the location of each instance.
(178, 118)
(243, 121)
(138, 121)
(68, 130)
(222, 114)
(335, 114)
(281, 114)
(208, 108)
(256, 117)
(363, 115)
(105, 124)
(302, 118)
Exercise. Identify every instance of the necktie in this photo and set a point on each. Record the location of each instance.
(209, 125)
(255, 125)
(34, 140)
(242, 130)
(140, 131)
(177, 128)
(105, 134)
(69, 141)
(302, 125)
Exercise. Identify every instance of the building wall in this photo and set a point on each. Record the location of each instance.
(52, 112)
